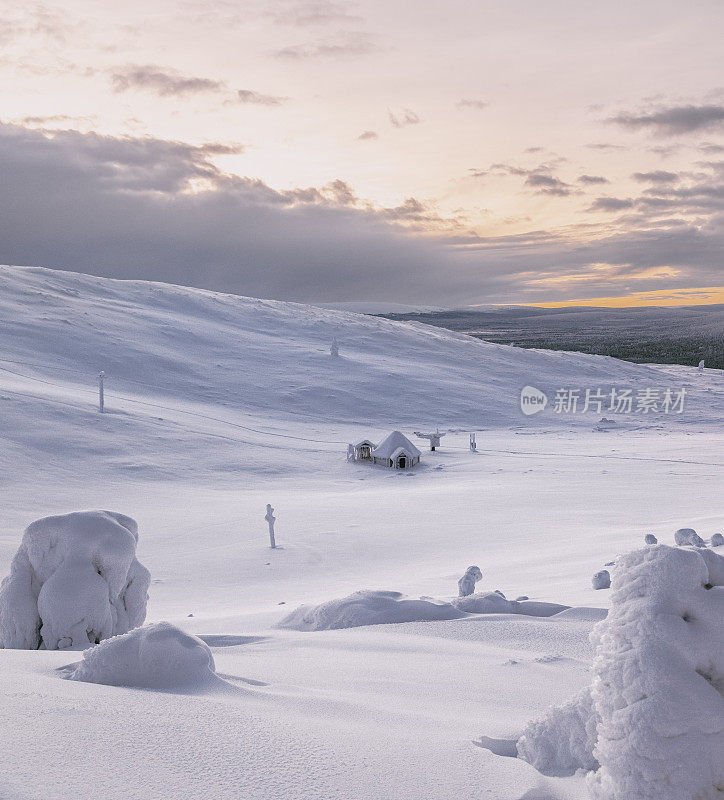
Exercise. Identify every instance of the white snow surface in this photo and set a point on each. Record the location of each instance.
(74, 581)
(157, 656)
(217, 405)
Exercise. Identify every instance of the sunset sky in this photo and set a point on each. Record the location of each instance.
(442, 152)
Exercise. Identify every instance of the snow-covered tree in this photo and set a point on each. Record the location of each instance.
(717, 540)
(466, 584)
(601, 580)
(688, 536)
(650, 539)
(74, 581)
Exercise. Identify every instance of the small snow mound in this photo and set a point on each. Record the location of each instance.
(650, 539)
(485, 603)
(717, 540)
(562, 740)
(688, 536)
(74, 581)
(368, 607)
(601, 580)
(158, 656)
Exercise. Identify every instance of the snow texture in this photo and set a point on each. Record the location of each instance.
(466, 584)
(654, 717)
(158, 656)
(562, 740)
(601, 580)
(688, 536)
(368, 607)
(659, 679)
(74, 581)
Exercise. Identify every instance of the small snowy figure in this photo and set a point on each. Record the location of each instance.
(473, 444)
(271, 519)
(601, 580)
(350, 452)
(701, 365)
(466, 584)
(717, 540)
(101, 399)
(650, 539)
(334, 348)
(688, 536)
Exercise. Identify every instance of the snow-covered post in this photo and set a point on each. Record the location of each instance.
(473, 444)
(334, 348)
(701, 365)
(271, 519)
(350, 452)
(101, 399)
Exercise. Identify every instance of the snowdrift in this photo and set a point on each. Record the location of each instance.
(496, 603)
(367, 607)
(74, 581)
(652, 723)
(159, 656)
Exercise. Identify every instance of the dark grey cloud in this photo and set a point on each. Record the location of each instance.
(161, 81)
(611, 204)
(367, 136)
(255, 98)
(544, 183)
(403, 118)
(161, 210)
(674, 120)
(711, 148)
(655, 176)
(346, 45)
(475, 104)
(592, 179)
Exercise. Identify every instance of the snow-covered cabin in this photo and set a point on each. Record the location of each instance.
(363, 450)
(396, 451)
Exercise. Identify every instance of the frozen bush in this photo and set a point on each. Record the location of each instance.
(74, 581)
(717, 540)
(601, 580)
(650, 539)
(159, 656)
(466, 584)
(688, 536)
(562, 740)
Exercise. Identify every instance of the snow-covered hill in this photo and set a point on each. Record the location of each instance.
(218, 405)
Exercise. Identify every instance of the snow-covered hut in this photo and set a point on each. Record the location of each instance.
(396, 451)
(363, 450)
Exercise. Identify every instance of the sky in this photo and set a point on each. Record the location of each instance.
(451, 152)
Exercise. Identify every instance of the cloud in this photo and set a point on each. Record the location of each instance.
(153, 209)
(611, 204)
(255, 98)
(674, 120)
(592, 179)
(604, 146)
(547, 184)
(403, 118)
(367, 136)
(161, 81)
(656, 176)
(317, 12)
(476, 104)
(346, 45)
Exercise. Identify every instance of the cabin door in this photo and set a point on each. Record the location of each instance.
(402, 462)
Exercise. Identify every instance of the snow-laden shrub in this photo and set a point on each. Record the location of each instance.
(74, 581)
(601, 580)
(158, 656)
(658, 685)
(717, 540)
(562, 740)
(688, 536)
(466, 584)
(650, 539)
(367, 608)
(653, 719)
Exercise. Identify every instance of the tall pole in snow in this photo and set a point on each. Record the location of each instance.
(271, 519)
(101, 399)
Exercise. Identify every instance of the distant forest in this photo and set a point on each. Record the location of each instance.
(675, 335)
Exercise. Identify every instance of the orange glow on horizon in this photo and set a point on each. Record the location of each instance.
(700, 296)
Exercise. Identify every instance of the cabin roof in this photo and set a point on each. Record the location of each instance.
(395, 444)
